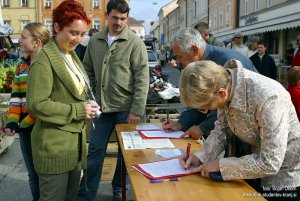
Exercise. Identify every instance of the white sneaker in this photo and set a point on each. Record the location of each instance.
(169, 93)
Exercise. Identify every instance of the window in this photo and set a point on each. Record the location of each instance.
(24, 3)
(221, 18)
(246, 7)
(195, 10)
(7, 22)
(215, 20)
(96, 24)
(48, 3)
(228, 13)
(48, 24)
(210, 20)
(23, 23)
(256, 5)
(5, 3)
(269, 3)
(96, 4)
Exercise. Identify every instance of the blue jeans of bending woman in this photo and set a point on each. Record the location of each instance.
(25, 143)
(99, 137)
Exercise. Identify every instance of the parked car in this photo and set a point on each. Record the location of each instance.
(153, 61)
(150, 43)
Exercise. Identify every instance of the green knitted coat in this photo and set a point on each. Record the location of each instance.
(58, 137)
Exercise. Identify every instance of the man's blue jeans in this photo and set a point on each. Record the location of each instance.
(99, 137)
(25, 143)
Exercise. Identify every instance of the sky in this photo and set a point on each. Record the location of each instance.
(146, 10)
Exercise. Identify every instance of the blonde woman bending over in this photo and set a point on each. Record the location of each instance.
(256, 109)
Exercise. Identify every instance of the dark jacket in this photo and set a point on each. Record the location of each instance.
(265, 66)
(220, 56)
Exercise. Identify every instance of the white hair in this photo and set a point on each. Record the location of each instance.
(188, 37)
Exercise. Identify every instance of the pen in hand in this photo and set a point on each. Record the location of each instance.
(163, 180)
(188, 150)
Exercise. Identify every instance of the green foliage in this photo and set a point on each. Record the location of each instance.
(7, 71)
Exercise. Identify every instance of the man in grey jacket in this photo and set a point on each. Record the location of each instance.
(116, 63)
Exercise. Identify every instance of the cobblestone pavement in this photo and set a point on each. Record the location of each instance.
(13, 174)
(14, 180)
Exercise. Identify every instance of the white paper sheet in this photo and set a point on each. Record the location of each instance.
(163, 168)
(148, 127)
(169, 153)
(133, 140)
(163, 133)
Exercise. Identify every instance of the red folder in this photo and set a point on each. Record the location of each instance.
(147, 174)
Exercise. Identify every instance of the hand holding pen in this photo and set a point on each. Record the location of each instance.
(189, 161)
(172, 125)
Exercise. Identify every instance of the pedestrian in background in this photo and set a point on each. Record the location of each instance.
(296, 55)
(33, 37)
(203, 29)
(289, 53)
(162, 58)
(252, 47)
(238, 45)
(117, 65)
(263, 62)
(81, 48)
(57, 93)
(293, 79)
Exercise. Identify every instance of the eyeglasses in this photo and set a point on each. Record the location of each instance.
(204, 111)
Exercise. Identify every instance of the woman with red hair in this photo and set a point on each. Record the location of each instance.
(57, 90)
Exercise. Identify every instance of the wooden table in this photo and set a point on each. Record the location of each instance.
(193, 187)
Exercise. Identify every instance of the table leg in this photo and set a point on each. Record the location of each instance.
(123, 180)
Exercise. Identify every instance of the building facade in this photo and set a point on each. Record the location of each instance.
(275, 21)
(95, 10)
(137, 26)
(18, 13)
(222, 15)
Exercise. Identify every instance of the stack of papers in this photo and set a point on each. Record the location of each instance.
(162, 169)
(148, 127)
(133, 140)
(169, 153)
(147, 134)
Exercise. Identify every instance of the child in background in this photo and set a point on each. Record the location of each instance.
(293, 79)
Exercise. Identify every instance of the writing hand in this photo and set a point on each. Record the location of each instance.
(194, 132)
(193, 161)
(172, 125)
